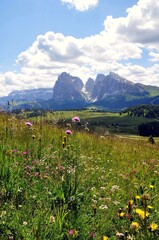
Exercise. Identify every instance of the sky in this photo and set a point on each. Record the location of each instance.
(40, 39)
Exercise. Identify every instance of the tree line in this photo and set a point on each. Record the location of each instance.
(144, 110)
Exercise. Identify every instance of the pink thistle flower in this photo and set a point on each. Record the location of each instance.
(25, 153)
(69, 132)
(76, 119)
(29, 124)
(71, 232)
(92, 235)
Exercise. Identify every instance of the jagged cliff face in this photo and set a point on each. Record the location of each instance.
(113, 84)
(110, 91)
(89, 85)
(68, 88)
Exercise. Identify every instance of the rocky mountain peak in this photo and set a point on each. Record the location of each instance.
(89, 85)
(68, 88)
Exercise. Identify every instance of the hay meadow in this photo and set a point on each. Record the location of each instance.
(76, 184)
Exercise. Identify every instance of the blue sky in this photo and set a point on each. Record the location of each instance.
(42, 38)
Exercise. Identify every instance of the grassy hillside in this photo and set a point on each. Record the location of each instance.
(153, 90)
(96, 121)
(55, 185)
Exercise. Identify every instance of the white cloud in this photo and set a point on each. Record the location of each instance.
(141, 24)
(81, 5)
(122, 40)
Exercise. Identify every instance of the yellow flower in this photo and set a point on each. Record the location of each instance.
(142, 214)
(150, 207)
(153, 226)
(121, 214)
(151, 186)
(135, 225)
(137, 197)
(105, 238)
(131, 202)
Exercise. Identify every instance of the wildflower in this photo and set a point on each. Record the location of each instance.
(3, 213)
(151, 186)
(71, 232)
(25, 223)
(130, 202)
(149, 206)
(120, 235)
(76, 119)
(114, 188)
(25, 153)
(105, 238)
(121, 214)
(69, 132)
(63, 144)
(52, 219)
(103, 207)
(29, 124)
(137, 197)
(92, 235)
(135, 226)
(153, 227)
(142, 214)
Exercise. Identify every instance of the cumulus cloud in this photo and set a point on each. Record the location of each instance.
(122, 40)
(81, 5)
(140, 25)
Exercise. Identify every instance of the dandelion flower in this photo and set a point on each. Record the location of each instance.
(137, 197)
(121, 214)
(135, 225)
(76, 119)
(105, 238)
(149, 206)
(142, 214)
(153, 227)
(151, 186)
(131, 202)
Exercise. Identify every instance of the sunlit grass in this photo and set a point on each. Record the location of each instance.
(76, 186)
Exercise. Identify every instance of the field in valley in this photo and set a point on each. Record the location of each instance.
(92, 178)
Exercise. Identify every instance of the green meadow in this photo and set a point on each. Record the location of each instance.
(99, 180)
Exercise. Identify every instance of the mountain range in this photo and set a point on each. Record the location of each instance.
(108, 92)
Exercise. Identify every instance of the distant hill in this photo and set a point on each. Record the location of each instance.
(110, 92)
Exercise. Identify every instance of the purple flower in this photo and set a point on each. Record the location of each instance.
(28, 124)
(76, 119)
(92, 235)
(69, 132)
